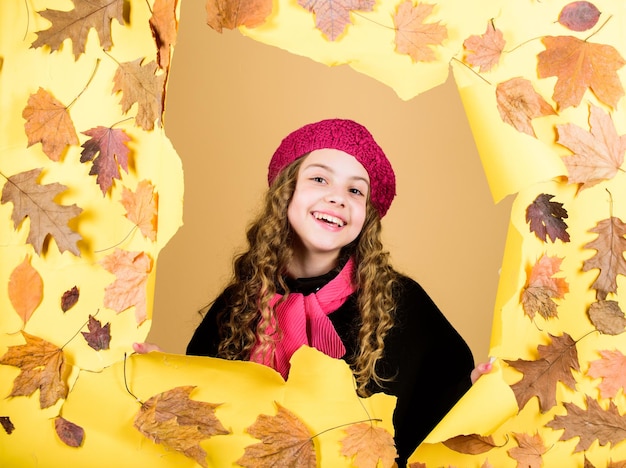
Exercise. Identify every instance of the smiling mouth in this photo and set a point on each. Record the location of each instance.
(329, 219)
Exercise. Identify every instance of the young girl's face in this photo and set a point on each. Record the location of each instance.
(328, 206)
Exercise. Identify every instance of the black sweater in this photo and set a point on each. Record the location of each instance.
(428, 360)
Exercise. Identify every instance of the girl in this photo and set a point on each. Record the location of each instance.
(315, 273)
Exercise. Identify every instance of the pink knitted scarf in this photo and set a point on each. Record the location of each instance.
(303, 320)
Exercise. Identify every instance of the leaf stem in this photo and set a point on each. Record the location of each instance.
(126, 383)
(78, 331)
(93, 74)
(472, 70)
(370, 420)
(119, 243)
(598, 30)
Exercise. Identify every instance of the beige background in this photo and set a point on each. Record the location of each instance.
(231, 100)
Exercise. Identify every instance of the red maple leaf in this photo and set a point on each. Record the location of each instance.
(98, 336)
(484, 51)
(110, 143)
(546, 218)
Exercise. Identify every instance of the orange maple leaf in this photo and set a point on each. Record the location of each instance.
(164, 27)
(46, 217)
(484, 51)
(140, 84)
(129, 288)
(285, 441)
(598, 154)
(607, 317)
(611, 368)
(25, 289)
(141, 208)
(110, 145)
(519, 103)
(541, 288)
(77, 22)
(368, 444)
(332, 17)
(580, 65)
(48, 122)
(609, 259)
(413, 36)
(42, 367)
(173, 419)
(529, 450)
(230, 15)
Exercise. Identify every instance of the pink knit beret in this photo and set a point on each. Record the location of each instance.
(344, 135)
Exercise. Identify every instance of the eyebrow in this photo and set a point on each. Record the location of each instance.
(329, 169)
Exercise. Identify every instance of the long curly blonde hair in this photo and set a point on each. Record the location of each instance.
(259, 272)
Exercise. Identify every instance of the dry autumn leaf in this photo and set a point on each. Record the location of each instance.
(36, 202)
(131, 270)
(366, 445)
(579, 16)
(528, 451)
(141, 208)
(69, 299)
(140, 84)
(230, 15)
(285, 441)
(578, 66)
(594, 423)
(541, 288)
(110, 146)
(71, 434)
(598, 154)
(471, 444)
(609, 258)
(7, 425)
(414, 37)
(42, 366)
(518, 103)
(179, 423)
(48, 122)
(164, 27)
(540, 377)
(484, 51)
(76, 23)
(332, 17)
(607, 317)
(98, 336)
(611, 368)
(545, 218)
(25, 289)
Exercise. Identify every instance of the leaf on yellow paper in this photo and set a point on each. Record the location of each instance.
(528, 451)
(48, 122)
(230, 15)
(540, 377)
(69, 298)
(140, 84)
(609, 258)
(285, 441)
(129, 288)
(25, 289)
(332, 17)
(591, 424)
(173, 419)
(35, 201)
(164, 27)
(71, 434)
(598, 154)
(7, 424)
(484, 51)
(42, 366)
(518, 103)
(545, 218)
(579, 16)
(367, 445)
(98, 337)
(542, 287)
(470, 444)
(580, 65)
(611, 368)
(414, 37)
(141, 208)
(110, 146)
(607, 317)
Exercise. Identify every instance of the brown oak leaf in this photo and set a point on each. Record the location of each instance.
(25, 289)
(415, 37)
(48, 122)
(471, 444)
(42, 366)
(71, 434)
(230, 15)
(545, 218)
(285, 441)
(164, 27)
(611, 368)
(528, 451)
(98, 336)
(367, 445)
(179, 423)
(580, 65)
(541, 288)
(69, 298)
(110, 146)
(7, 425)
(518, 103)
(484, 51)
(141, 208)
(579, 16)
(609, 259)
(607, 317)
(35, 201)
(140, 84)
(77, 22)
(540, 377)
(129, 288)
(594, 423)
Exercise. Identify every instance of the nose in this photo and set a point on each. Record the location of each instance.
(335, 197)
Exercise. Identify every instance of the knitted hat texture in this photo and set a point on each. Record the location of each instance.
(347, 136)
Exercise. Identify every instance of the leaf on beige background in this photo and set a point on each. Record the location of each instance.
(110, 146)
(518, 104)
(542, 287)
(367, 444)
(484, 51)
(529, 450)
(471, 444)
(611, 368)
(414, 36)
(579, 16)
(607, 317)
(230, 15)
(164, 27)
(25, 289)
(48, 121)
(141, 208)
(35, 201)
(332, 17)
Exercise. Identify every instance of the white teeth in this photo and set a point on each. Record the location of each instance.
(328, 218)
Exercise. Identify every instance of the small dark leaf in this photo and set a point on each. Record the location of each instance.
(579, 16)
(6, 423)
(98, 336)
(69, 298)
(71, 434)
(546, 218)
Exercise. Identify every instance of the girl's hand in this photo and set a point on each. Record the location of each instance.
(482, 368)
(143, 348)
